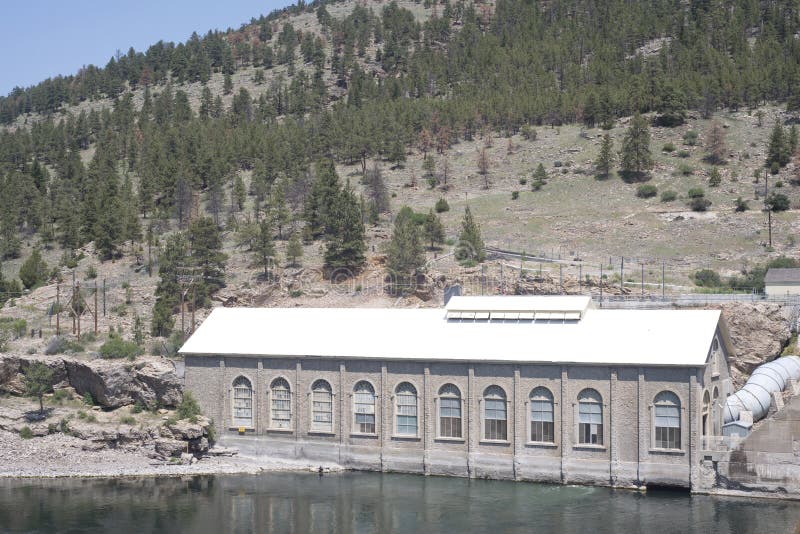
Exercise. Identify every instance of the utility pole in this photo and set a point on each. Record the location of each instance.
(580, 277)
(95, 308)
(601, 284)
(643, 280)
(663, 271)
(104, 297)
(767, 206)
(58, 309)
(561, 278)
(621, 275)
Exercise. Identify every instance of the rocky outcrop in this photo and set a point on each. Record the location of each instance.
(111, 383)
(758, 331)
(13, 368)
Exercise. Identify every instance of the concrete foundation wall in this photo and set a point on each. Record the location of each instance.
(627, 456)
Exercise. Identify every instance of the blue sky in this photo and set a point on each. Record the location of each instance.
(44, 38)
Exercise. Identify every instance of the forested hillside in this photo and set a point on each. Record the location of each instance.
(247, 126)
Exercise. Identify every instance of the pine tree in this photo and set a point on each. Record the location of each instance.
(168, 291)
(38, 381)
(539, 178)
(34, 270)
(227, 84)
(793, 140)
(716, 145)
(434, 229)
(323, 195)
(264, 246)
(777, 151)
(470, 247)
(636, 156)
(344, 236)
(278, 209)
(605, 158)
(206, 249)
(294, 249)
(406, 256)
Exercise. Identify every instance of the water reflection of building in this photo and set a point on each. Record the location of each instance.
(526, 388)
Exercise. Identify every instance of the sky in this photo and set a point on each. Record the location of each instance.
(44, 38)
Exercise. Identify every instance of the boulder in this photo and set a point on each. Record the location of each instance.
(160, 378)
(758, 332)
(169, 448)
(186, 430)
(13, 369)
(114, 383)
(199, 446)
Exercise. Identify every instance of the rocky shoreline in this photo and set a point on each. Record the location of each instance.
(59, 455)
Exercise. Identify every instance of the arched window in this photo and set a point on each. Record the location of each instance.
(321, 406)
(364, 407)
(242, 402)
(281, 403)
(590, 417)
(541, 401)
(406, 409)
(667, 420)
(449, 411)
(706, 406)
(495, 423)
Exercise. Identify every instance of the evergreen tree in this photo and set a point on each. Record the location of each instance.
(264, 248)
(406, 256)
(278, 209)
(34, 270)
(635, 155)
(605, 158)
(716, 144)
(777, 150)
(227, 84)
(172, 259)
(320, 201)
(206, 249)
(470, 247)
(344, 235)
(38, 381)
(793, 140)
(539, 178)
(434, 229)
(294, 249)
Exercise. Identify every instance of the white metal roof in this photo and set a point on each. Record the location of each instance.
(520, 303)
(620, 337)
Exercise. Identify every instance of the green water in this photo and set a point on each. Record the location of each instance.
(369, 502)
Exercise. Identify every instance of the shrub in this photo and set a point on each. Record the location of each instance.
(25, 432)
(87, 399)
(668, 147)
(60, 395)
(127, 420)
(116, 347)
(137, 407)
(683, 154)
(741, 205)
(557, 163)
(523, 181)
(62, 345)
(685, 169)
(777, 202)
(690, 138)
(188, 407)
(714, 178)
(646, 191)
(668, 196)
(696, 192)
(699, 204)
(775, 168)
(778, 184)
(91, 273)
(442, 206)
(707, 278)
(528, 132)
(514, 195)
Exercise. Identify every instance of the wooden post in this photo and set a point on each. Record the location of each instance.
(621, 275)
(183, 313)
(663, 271)
(58, 309)
(194, 294)
(95, 308)
(601, 284)
(104, 297)
(78, 293)
(580, 277)
(643, 280)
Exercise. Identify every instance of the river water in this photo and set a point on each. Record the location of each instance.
(369, 502)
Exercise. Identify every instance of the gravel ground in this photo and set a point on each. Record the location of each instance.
(57, 455)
